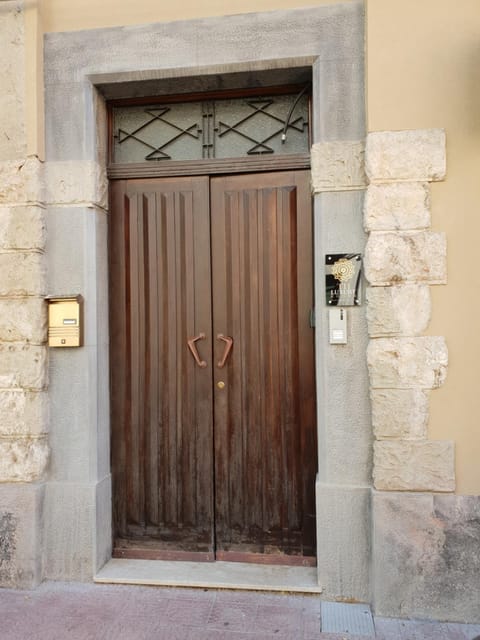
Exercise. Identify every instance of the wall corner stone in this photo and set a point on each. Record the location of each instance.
(415, 155)
(414, 466)
(338, 166)
(23, 353)
(407, 363)
(23, 459)
(398, 310)
(397, 205)
(400, 414)
(402, 258)
(406, 257)
(76, 183)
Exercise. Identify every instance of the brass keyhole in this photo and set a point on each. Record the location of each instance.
(221, 384)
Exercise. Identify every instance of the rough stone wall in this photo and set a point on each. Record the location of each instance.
(23, 355)
(402, 259)
(23, 371)
(426, 561)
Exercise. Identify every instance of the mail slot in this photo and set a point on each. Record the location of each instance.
(65, 321)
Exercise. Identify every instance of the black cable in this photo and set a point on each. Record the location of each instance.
(287, 122)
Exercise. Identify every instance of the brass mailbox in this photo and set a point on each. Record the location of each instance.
(65, 321)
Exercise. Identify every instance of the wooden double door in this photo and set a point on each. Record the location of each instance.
(212, 368)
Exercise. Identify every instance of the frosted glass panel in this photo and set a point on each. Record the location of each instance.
(211, 129)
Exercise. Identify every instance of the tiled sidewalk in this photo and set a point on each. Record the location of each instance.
(61, 611)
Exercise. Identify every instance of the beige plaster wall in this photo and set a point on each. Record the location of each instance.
(423, 72)
(70, 15)
(34, 80)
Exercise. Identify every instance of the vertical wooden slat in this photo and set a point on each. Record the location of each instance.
(133, 494)
(152, 227)
(118, 333)
(169, 494)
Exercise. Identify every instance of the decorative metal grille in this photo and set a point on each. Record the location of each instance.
(228, 128)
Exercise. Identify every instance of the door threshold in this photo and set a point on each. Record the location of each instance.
(217, 575)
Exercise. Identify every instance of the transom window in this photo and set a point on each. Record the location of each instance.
(211, 129)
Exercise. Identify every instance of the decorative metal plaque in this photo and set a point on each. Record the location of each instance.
(224, 128)
(343, 279)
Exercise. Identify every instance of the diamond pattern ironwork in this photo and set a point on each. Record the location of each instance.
(197, 130)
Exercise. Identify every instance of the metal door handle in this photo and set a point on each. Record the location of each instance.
(193, 349)
(228, 345)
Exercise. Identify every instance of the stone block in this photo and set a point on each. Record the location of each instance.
(103, 522)
(417, 155)
(23, 365)
(338, 166)
(398, 311)
(23, 320)
(79, 413)
(339, 99)
(22, 273)
(23, 412)
(12, 79)
(21, 181)
(71, 522)
(400, 413)
(23, 459)
(406, 256)
(407, 363)
(414, 466)
(66, 130)
(22, 227)
(402, 205)
(426, 560)
(21, 534)
(343, 541)
(76, 182)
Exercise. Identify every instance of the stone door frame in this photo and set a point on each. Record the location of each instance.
(79, 71)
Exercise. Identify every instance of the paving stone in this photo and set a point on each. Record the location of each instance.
(188, 612)
(233, 615)
(116, 612)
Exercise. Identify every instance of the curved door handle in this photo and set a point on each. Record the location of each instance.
(193, 348)
(228, 346)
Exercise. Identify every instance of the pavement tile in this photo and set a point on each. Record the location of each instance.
(214, 634)
(188, 612)
(283, 622)
(73, 611)
(342, 636)
(311, 626)
(167, 633)
(237, 616)
(394, 629)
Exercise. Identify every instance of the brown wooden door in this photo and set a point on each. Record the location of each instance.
(210, 459)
